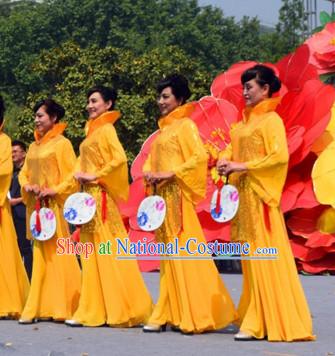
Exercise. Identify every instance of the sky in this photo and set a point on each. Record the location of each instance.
(266, 10)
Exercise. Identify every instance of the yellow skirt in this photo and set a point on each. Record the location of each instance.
(113, 291)
(192, 294)
(273, 303)
(13, 278)
(55, 281)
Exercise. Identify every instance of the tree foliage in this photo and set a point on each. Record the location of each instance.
(71, 70)
(61, 48)
(292, 24)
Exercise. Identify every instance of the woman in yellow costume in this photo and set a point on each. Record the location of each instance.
(323, 176)
(13, 279)
(273, 303)
(192, 298)
(55, 282)
(113, 291)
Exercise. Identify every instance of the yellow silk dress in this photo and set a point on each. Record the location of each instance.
(323, 175)
(273, 303)
(14, 284)
(55, 282)
(113, 291)
(192, 294)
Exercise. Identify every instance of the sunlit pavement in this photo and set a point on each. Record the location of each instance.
(51, 339)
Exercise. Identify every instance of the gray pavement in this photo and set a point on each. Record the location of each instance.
(51, 339)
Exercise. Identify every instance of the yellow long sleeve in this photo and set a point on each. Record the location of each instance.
(24, 180)
(192, 172)
(268, 174)
(111, 146)
(103, 155)
(66, 159)
(274, 136)
(6, 166)
(147, 164)
(69, 184)
(227, 153)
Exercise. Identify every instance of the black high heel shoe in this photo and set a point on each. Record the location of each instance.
(152, 328)
(175, 328)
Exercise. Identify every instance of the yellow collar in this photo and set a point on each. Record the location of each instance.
(57, 129)
(108, 117)
(263, 107)
(179, 113)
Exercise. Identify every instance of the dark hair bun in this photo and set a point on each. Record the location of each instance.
(107, 94)
(275, 85)
(178, 84)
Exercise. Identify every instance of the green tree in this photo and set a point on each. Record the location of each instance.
(70, 71)
(7, 5)
(62, 47)
(203, 33)
(291, 25)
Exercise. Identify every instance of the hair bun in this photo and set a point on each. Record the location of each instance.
(275, 85)
(178, 84)
(59, 110)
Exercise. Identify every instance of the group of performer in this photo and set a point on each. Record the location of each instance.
(192, 297)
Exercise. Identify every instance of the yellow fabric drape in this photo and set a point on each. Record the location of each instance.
(260, 141)
(55, 283)
(13, 279)
(106, 158)
(323, 175)
(327, 137)
(272, 304)
(6, 165)
(326, 222)
(192, 294)
(113, 291)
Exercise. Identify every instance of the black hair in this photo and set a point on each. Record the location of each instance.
(19, 143)
(52, 108)
(178, 84)
(2, 109)
(263, 75)
(106, 93)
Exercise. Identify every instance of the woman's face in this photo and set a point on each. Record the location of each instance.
(43, 121)
(96, 105)
(167, 102)
(253, 93)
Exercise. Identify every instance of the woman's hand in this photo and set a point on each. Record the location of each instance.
(32, 188)
(83, 178)
(47, 193)
(225, 167)
(221, 166)
(147, 177)
(158, 177)
(15, 201)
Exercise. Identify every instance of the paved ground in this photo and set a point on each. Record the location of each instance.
(50, 339)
